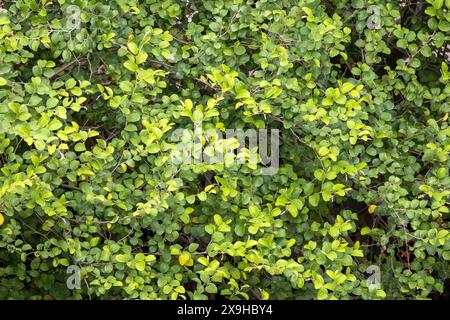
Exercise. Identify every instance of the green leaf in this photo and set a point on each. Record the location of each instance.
(140, 265)
(444, 25)
(318, 281)
(121, 258)
(292, 210)
(239, 50)
(211, 288)
(130, 65)
(55, 124)
(134, 49)
(214, 26)
(314, 199)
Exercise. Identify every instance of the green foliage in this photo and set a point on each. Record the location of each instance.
(91, 91)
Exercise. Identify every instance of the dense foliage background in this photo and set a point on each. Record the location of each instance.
(90, 92)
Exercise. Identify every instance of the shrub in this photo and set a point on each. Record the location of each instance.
(92, 92)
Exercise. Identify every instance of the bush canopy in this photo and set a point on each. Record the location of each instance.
(97, 202)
